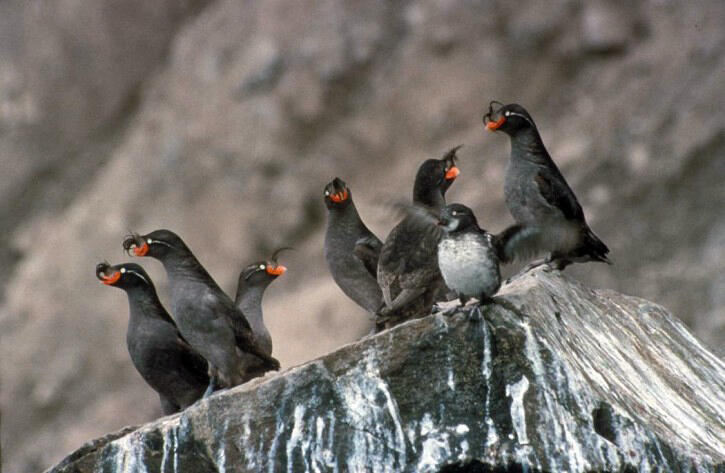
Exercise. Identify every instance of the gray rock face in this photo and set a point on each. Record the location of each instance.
(557, 378)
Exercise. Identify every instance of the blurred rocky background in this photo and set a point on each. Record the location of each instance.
(223, 120)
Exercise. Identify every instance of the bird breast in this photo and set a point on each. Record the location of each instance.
(469, 265)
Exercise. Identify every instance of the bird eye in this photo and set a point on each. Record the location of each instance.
(148, 240)
(454, 213)
(261, 266)
(327, 193)
(123, 270)
(507, 113)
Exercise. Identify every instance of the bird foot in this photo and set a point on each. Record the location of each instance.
(446, 309)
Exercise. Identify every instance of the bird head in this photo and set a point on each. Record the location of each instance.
(156, 244)
(456, 217)
(124, 276)
(263, 272)
(437, 173)
(337, 194)
(510, 118)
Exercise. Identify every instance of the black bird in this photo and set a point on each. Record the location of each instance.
(537, 195)
(351, 249)
(253, 281)
(205, 315)
(158, 351)
(408, 271)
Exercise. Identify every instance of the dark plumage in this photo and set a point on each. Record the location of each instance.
(538, 196)
(253, 281)
(205, 315)
(163, 358)
(351, 249)
(408, 271)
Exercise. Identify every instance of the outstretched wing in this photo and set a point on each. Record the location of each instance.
(517, 242)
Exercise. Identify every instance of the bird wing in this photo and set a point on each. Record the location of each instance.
(554, 189)
(517, 242)
(222, 306)
(408, 258)
(195, 367)
(367, 250)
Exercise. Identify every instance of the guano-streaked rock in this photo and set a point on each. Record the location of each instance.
(557, 378)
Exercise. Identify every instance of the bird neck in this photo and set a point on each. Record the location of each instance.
(527, 144)
(185, 266)
(144, 303)
(431, 197)
(345, 217)
(249, 302)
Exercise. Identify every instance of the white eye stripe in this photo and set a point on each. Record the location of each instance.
(137, 274)
(508, 113)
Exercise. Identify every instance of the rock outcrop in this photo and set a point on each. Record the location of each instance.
(557, 377)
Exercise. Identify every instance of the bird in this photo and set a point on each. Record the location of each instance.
(253, 281)
(176, 371)
(351, 249)
(537, 195)
(205, 315)
(469, 257)
(408, 272)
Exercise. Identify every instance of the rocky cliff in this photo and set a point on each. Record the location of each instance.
(223, 120)
(557, 377)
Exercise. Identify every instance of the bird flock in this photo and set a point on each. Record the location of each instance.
(437, 252)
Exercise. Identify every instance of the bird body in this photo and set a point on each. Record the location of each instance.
(351, 249)
(468, 256)
(469, 264)
(176, 371)
(538, 196)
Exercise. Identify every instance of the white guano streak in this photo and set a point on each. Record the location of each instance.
(516, 392)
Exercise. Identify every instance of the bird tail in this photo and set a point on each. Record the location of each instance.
(594, 247)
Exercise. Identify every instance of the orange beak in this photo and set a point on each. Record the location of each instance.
(276, 270)
(141, 250)
(452, 173)
(340, 196)
(493, 126)
(110, 280)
